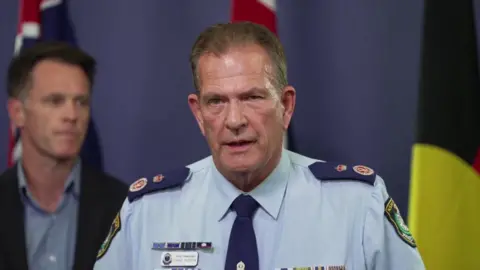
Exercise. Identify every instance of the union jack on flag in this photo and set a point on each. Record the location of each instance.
(42, 20)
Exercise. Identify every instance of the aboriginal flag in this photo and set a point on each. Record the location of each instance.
(445, 184)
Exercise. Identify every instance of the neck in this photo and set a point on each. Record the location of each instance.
(46, 178)
(246, 181)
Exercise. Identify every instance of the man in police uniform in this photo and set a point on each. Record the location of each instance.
(253, 204)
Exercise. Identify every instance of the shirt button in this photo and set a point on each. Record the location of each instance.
(52, 258)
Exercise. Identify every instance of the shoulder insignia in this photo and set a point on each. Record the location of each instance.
(329, 171)
(138, 185)
(114, 229)
(163, 181)
(395, 218)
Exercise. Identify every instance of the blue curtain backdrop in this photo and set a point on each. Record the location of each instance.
(355, 65)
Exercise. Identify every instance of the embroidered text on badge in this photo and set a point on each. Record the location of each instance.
(180, 258)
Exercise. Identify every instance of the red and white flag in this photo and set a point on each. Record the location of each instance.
(257, 11)
(28, 31)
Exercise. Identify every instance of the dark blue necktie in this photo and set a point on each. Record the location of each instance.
(242, 247)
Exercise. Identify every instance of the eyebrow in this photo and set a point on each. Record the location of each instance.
(253, 90)
(63, 95)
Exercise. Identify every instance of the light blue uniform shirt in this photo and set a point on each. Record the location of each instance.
(303, 221)
(50, 237)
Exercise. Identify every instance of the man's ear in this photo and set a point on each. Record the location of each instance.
(194, 103)
(16, 112)
(288, 100)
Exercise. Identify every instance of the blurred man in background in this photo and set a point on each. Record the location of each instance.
(56, 211)
(253, 204)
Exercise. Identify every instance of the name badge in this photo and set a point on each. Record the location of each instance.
(180, 258)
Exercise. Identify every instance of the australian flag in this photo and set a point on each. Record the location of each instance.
(41, 20)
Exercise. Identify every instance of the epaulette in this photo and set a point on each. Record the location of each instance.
(327, 171)
(164, 181)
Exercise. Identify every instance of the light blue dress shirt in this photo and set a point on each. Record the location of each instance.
(303, 221)
(50, 237)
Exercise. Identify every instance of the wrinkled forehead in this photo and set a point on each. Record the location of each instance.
(238, 69)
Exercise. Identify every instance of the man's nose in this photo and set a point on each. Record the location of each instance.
(71, 111)
(235, 116)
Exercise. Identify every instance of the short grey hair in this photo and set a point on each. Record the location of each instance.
(219, 38)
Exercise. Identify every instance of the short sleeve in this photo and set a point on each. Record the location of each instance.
(388, 243)
(115, 251)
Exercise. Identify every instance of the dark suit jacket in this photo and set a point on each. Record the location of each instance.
(101, 197)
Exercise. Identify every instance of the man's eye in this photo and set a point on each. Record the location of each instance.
(83, 102)
(254, 97)
(214, 101)
(56, 100)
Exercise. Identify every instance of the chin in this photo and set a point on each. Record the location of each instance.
(240, 167)
(64, 156)
(67, 154)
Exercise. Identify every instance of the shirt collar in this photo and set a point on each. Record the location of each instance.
(269, 194)
(71, 185)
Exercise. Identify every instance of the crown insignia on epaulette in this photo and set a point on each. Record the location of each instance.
(341, 168)
(158, 178)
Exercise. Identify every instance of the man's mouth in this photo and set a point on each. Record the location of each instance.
(239, 143)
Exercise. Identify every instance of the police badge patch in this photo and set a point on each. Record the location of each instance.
(393, 215)
(114, 229)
